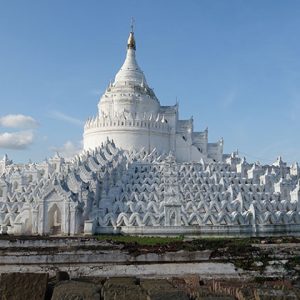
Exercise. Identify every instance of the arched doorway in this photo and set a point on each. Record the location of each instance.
(172, 218)
(54, 220)
(15, 185)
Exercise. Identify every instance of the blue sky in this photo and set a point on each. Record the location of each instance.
(234, 65)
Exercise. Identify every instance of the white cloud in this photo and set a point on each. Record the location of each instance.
(16, 140)
(63, 117)
(18, 121)
(69, 149)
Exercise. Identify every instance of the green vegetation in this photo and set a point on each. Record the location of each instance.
(293, 264)
(236, 245)
(295, 260)
(244, 253)
(140, 240)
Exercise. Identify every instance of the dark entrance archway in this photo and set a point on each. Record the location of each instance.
(54, 220)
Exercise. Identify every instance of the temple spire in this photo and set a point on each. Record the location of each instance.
(131, 40)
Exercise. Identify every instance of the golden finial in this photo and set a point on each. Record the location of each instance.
(131, 40)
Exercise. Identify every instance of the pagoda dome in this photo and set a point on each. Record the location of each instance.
(129, 93)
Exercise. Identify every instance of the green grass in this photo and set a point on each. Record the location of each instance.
(236, 245)
(233, 245)
(140, 240)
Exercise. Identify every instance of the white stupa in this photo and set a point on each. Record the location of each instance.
(130, 114)
(148, 173)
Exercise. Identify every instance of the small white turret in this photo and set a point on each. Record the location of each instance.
(4, 163)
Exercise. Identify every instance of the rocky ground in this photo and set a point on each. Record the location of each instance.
(182, 268)
(23, 286)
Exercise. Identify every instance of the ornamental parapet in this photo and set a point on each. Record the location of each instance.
(154, 125)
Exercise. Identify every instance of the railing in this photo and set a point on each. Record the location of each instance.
(100, 123)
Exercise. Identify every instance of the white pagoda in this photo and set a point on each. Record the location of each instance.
(144, 171)
(130, 114)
